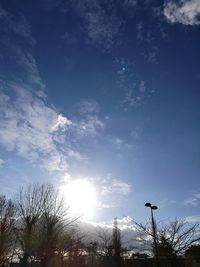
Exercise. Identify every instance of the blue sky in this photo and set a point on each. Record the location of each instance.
(106, 92)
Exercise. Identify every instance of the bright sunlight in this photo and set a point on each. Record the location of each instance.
(80, 195)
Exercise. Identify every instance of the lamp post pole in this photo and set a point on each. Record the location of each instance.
(152, 207)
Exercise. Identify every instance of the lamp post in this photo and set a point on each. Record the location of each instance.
(152, 207)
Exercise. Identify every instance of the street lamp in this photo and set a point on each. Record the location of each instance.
(153, 207)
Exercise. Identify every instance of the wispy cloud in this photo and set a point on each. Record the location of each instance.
(29, 126)
(137, 133)
(186, 12)
(89, 122)
(101, 23)
(152, 55)
(120, 143)
(17, 25)
(134, 88)
(88, 107)
(193, 219)
(91, 125)
(37, 132)
(107, 189)
(194, 200)
(132, 99)
(18, 55)
(111, 186)
(28, 63)
(130, 3)
(144, 35)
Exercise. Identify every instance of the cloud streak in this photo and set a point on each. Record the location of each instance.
(22, 64)
(194, 200)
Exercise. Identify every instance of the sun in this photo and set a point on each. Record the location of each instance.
(80, 195)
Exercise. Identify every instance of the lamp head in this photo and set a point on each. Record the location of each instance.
(154, 207)
(148, 205)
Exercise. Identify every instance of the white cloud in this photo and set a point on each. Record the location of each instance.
(61, 123)
(26, 124)
(194, 200)
(120, 144)
(38, 132)
(105, 206)
(89, 122)
(193, 219)
(95, 231)
(74, 154)
(91, 125)
(111, 186)
(186, 12)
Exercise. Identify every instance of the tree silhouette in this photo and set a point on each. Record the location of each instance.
(7, 222)
(193, 254)
(30, 204)
(51, 227)
(117, 244)
(173, 237)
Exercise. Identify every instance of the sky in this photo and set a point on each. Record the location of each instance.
(101, 99)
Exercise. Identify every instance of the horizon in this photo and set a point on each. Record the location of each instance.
(101, 99)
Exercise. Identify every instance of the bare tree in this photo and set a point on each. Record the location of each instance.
(173, 237)
(178, 235)
(104, 236)
(70, 245)
(7, 213)
(30, 204)
(53, 226)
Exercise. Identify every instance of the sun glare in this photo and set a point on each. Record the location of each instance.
(80, 195)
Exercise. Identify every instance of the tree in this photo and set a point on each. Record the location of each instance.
(7, 214)
(138, 255)
(193, 253)
(117, 244)
(173, 237)
(53, 228)
(70, 245)
(177, 236)
(30, 204)
(105, 241)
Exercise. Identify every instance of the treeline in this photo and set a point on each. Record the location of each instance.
(36, 228)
